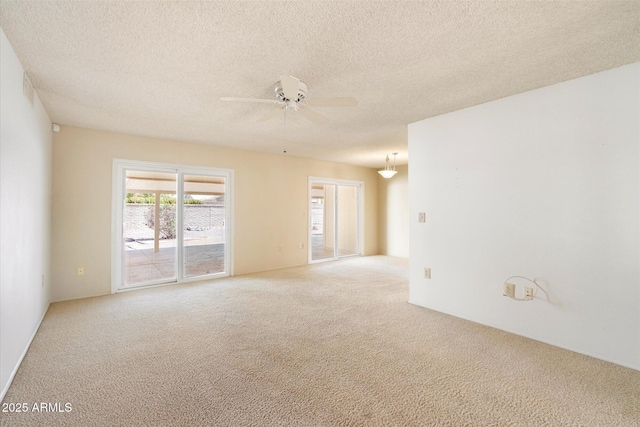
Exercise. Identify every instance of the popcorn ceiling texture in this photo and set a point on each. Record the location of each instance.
(320, 345)
(159, 68)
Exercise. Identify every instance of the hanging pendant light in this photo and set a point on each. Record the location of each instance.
(388, 172)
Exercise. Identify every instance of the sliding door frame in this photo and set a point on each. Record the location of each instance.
(360, 217)
(118, 191)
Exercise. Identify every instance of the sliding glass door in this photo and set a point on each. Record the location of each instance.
(323, 221)
(172, 224)
(347, 208)
(203, 225)
(335, 223)
(149, 227)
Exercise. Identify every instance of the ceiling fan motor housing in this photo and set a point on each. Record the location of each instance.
(302, 92)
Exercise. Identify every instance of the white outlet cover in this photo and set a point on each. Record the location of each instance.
(510, 290)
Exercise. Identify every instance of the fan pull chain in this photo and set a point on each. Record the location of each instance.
(285, 124)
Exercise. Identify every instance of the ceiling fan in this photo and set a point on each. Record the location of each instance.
(291, 94)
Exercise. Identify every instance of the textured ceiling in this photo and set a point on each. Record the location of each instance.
(159, 68)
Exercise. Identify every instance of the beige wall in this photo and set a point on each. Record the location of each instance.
(393, 216)
(270, 206)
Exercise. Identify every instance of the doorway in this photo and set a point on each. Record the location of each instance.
(335, 219)
(171, 224)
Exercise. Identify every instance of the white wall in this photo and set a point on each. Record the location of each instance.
(25, 193)
(544, 184)
(393, 219)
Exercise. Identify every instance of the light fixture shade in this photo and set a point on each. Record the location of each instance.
(387, 173)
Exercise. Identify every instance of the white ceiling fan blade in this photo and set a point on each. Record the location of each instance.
(332, 102)
(271, 114)
(263, 101)
(290, 86)
(313, 116)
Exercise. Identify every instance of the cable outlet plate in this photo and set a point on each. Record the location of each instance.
(509, 290)
(528, 292)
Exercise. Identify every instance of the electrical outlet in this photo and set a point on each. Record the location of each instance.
(509, 290)
(300, 245)
(422, 217)
(80, 271)
(528, 292)
(427, 273)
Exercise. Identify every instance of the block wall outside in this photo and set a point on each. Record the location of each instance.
(196, 217)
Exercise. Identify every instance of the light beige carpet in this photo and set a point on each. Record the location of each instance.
(333, 344)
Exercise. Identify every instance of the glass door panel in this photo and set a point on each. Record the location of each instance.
(149, 228)
(335, 219)
(347, 220)
(323, 218)
(203, 221)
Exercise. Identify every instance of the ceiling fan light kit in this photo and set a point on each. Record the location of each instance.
(291, 94)
(301, 91)
(388, 171)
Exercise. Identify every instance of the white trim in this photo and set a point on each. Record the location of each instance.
(321, 180)
(360, 237)
(229, 223)
(179, 230)
(361, 219)
(117, 254)
(116, 231)
(24, 353)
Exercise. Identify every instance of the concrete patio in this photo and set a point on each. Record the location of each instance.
(144, 266)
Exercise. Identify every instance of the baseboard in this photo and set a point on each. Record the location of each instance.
(82, 297)
(24, 353)
(564, 347)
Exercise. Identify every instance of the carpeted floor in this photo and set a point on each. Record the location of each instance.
(332, 344)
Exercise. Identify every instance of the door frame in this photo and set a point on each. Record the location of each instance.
(337, 182)
(118, 191)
